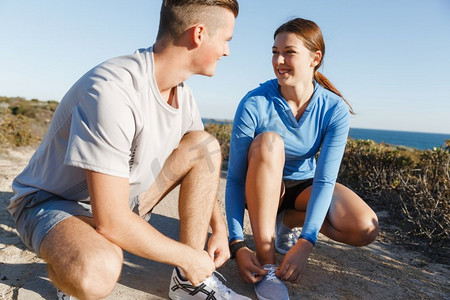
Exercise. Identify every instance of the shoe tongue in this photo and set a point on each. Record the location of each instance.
(214, 281)
(269, 266)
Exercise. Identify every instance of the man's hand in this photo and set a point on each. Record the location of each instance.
(218, 242)
(117, 223)
(249, 267)
(218, 248)
(294, 262)
(198, 267)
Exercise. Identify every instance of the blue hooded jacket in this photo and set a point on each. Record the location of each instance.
(323, 126)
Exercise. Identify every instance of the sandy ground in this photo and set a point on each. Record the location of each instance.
(335, 271)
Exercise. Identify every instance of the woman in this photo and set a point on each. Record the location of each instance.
(278, 129)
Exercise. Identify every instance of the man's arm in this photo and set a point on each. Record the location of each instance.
(114, 220)
(218, 242)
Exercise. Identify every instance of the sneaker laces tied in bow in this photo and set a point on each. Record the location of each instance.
(271, 274)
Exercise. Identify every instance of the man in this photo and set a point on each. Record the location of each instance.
(122, 137)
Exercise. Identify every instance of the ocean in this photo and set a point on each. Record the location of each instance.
(418, 140)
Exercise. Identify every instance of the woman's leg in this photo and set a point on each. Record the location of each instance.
(349, 220)
(263, 188)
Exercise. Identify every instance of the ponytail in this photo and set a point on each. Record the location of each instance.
(323, 81)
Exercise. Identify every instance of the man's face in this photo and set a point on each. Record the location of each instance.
(216, 43)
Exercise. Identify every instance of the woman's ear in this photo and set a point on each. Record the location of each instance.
(317, 58)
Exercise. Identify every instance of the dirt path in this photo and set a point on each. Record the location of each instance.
(335, 271)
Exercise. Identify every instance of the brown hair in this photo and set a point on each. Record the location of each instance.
(312, 38)
(177, 15)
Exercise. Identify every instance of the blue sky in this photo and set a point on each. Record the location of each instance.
(388, 58)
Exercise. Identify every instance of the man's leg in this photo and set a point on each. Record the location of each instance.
(80, 261)
(84, 264)
(195, 164)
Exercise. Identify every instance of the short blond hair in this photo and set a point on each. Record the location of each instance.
(178, 15)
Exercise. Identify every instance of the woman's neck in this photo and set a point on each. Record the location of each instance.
(297, 97)
(299, 94)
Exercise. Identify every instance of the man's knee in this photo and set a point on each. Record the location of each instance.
(80, 261)
(202, 147)
(267, 146)
(97, 275)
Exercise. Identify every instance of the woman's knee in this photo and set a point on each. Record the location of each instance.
(370, 230)
(267, 146)
(365, 231)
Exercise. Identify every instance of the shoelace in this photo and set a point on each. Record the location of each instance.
(216, 283)
(271, 274)
(63, 296)
(295, 233)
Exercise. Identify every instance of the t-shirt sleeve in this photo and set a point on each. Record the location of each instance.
(102, 130)
(328, 164)
(197, 123)
(242, 135)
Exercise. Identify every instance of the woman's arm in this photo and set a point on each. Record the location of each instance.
(327, 169)
(242, 135)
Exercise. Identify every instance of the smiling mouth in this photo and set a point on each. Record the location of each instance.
(283, 71)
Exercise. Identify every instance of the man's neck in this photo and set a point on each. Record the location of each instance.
(171, 67)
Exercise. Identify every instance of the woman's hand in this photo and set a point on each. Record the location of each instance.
(294, 262)
(249, 267)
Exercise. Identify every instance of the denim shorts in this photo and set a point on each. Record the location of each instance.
(39, 212)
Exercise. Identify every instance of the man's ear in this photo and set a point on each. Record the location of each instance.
(198, 34)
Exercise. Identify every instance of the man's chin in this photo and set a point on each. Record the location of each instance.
(208, 74)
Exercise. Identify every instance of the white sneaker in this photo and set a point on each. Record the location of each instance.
(211, 289)
(63, 296)
(285, 237)
(271, 287)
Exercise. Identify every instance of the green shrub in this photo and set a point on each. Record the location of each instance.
(25, 110)
(16, 131)
(24, 122)
(412, 185)
(222, 132)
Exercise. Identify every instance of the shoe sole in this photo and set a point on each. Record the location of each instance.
(281, 251)
(262, 298)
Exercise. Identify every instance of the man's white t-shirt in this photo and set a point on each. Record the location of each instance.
(113, 121)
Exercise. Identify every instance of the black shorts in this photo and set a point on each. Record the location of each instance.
(291, 193)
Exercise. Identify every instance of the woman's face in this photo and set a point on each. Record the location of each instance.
(292, 62)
